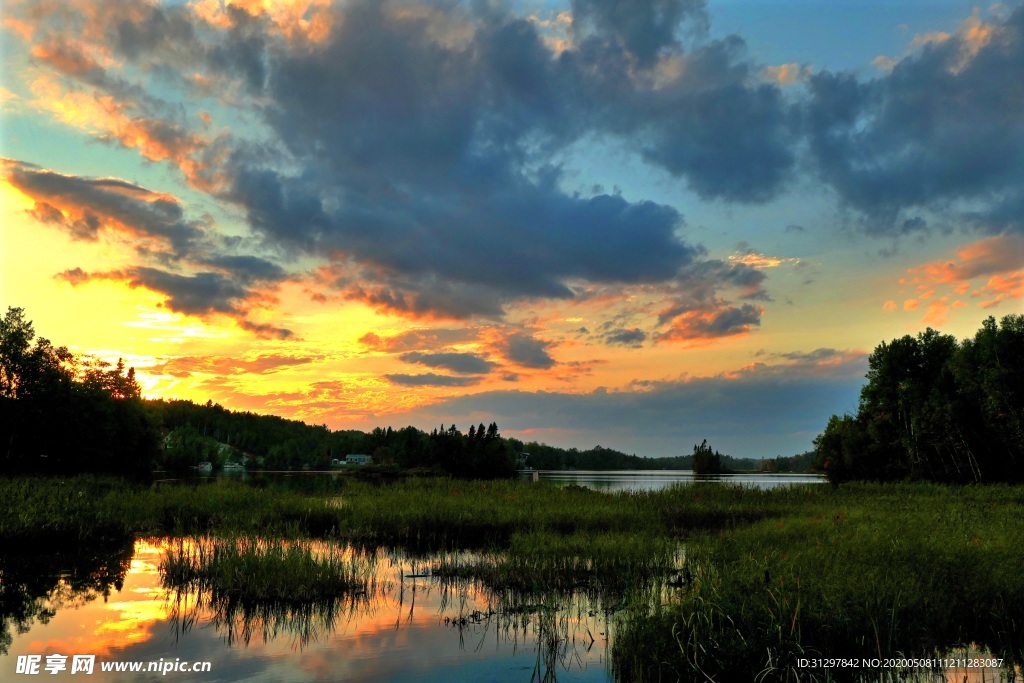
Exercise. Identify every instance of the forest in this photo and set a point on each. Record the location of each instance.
(936, 409)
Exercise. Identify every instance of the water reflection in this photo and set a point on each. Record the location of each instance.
(653, 480)
(608, 481)
(551, 633)
(39, 580)
(406, 624)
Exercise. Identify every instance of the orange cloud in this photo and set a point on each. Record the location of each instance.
(1001, 287)
(937, 313)
(418, 339)
(89, 207)
(111, 119)
(761, 260)
(786, 74)
(295, 20)
(999, 259)
(971, 36)
(998, 254)
(186, 366)
(65, 56)
(22, 28)
(702, 326)
(910, 304)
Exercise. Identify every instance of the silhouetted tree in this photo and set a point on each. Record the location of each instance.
(59, 415)
(935, 409)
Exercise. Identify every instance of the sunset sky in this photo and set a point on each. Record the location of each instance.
(634, 227)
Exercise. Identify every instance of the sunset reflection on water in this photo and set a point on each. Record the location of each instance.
(405, 630)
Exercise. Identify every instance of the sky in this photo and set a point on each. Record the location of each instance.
(635, 225)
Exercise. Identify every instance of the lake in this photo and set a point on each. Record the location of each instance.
(408, 627)
(608, 481)
(652, 480)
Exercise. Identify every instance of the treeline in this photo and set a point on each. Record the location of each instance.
(62, 413)
(211, 433)
(936, 409)
(780, 464)
(544, 457)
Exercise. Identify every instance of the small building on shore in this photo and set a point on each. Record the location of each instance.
(358, 459)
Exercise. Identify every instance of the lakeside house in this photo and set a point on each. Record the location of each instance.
(358, 459)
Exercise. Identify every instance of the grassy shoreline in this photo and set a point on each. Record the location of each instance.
(729, 582)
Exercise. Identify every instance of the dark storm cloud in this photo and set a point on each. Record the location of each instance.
(86, 206)
(703, 277)
(248, 268)
(412, 340)
(817, 355)
(150, 28)
(426, 135)
(941, 127)
(426, 156)
(199, 294)
(465, 253)
(644, 29)
(524, 350)
(426, 297)
(422, 142)
(462, 363)
(85, 228)
(431, 380)
(728, 136)
(626, 337)
(729, 321)
(710, 322)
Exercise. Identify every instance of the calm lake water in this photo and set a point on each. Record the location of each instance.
(408, 627)
(608, 481)
(638, 480)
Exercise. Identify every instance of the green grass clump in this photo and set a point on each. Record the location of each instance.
(254, 586)
(604, 564)
(65, 509)
(252, 568)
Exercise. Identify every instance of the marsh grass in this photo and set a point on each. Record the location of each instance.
(767, 576)
(59, 511)
(255, 568)
(255, 586)
(431, 514)
(871, 571)
(610, 564)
